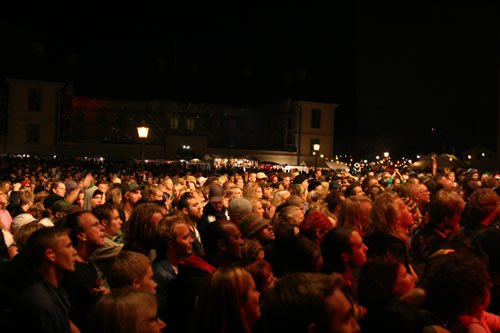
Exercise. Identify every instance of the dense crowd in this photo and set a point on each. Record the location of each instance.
(95, 246)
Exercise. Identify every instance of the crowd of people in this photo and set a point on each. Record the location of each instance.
(90, 246)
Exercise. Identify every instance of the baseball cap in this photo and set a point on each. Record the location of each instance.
(216, 192)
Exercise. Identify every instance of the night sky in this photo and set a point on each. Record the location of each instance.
(396, 73)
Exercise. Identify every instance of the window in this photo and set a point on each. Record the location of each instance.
(190, 124)
(316, 118)
(35, 99)
(174, 123)
(33, 133)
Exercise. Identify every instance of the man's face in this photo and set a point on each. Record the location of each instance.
(339, 316)
(133, 196)
(252, 177)
(422, 195)
(93, 230)
(183, 246)
(146, 282)
(237, 193)
(266, 233)
(234, 242)
(65, 254)
(114, 224)
(97, 200)
(156, 196)
(357, 257)
(60, 190)
(194, 209)
(217, 205)
(268, 192)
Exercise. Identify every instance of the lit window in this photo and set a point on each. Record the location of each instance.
(174, 123)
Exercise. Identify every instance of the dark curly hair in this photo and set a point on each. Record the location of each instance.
(456, 284)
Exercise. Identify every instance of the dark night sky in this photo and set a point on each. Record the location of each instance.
(396, 72)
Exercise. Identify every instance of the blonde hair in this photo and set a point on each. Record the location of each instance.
(119, 311)
(349, 214)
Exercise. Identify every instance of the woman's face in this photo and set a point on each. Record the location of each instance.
(250, 308)
(404, 281)
(81, 199)
(406, 217)
(258, 208)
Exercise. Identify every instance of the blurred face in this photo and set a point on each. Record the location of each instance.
(257, 208)
(97, 200)
(339, 314)
(178, 191)
(406, 217)
(93, 229)
(240, 183)
(183, 241)
(357, 257)
(133, 197)
(169, 184)
(404, 281)
(286, 182)
(266, 233)
(147, 320)
(250, 308)
(258, 193)
(81, 199)
(359, 191)
(157, 196)
(65, 254)
(146, 282)
(234, 242)
(3, 198)
(237, 193)
(422, 194)
(217, 205)
(252, 177)
(268, 192)
(60, 190)
(194, 210)
(103, 187)
(114, 224)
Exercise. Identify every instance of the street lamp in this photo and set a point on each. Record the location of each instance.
(142, 132)
(316, 151)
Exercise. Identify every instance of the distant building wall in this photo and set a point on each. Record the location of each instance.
(32, 116)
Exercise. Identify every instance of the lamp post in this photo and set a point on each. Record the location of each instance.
(142, 132)
(316, 152)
